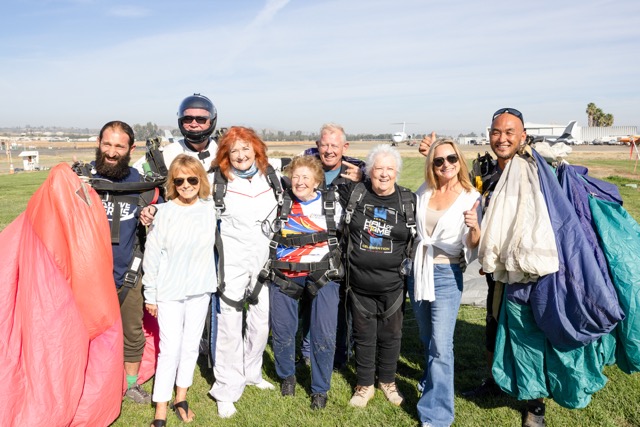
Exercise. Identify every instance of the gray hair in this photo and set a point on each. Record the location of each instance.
(333, 128)
(383, 150)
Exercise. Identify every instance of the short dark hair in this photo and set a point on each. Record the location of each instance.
(117, 124)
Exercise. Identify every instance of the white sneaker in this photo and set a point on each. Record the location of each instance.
(263, 385)
(226, 409)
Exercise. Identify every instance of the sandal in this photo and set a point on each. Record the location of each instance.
(158, 423)
(176, 406)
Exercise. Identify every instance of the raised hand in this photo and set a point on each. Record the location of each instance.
(425, 144)
(471, 217)
(353, 172)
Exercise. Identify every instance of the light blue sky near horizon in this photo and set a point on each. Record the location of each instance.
(294, 64)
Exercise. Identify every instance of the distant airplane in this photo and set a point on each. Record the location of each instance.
(566, 137)
(399, 137)
(628, 139)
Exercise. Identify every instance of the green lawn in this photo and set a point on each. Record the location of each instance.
(618, 404)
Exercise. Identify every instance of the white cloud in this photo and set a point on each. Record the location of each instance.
(128, 11)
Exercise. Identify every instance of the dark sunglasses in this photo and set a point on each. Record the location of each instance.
(451, 158)
(199, 119)
(511, 111)
(193, 180)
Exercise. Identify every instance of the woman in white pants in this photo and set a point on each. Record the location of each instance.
(179, 278)
(249, 201)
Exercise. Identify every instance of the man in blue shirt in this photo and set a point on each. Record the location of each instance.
(115, 145)
(338, 169)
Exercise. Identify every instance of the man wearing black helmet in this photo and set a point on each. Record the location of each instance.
(197, 117)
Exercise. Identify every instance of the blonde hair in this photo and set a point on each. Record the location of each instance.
(191, 165)
(463, 174)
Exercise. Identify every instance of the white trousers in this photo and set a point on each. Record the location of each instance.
(181, 324)
(238, 360)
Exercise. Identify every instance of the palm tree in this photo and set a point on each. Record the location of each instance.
(597, 117)
(607, 120)
(591, 112)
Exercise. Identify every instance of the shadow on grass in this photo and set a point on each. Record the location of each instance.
(470, 364)
(470, 361)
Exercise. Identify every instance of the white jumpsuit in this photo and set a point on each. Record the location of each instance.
(246, 249)
(172, 150)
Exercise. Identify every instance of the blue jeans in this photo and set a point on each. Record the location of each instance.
(436, 324)
(283, 313)
(343, 342)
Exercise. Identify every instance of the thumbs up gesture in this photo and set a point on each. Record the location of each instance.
(425, 144)
(471, 216)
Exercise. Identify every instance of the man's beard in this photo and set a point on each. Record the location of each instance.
(115, 172)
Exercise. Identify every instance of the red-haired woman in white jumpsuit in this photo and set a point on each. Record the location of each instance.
(249, 200)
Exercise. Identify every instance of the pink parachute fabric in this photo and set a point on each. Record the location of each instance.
(151, 348)
(60, 327)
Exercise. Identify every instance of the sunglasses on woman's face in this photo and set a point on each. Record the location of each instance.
(452, 159)
(193, 180)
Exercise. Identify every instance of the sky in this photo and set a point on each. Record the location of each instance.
(291, 65)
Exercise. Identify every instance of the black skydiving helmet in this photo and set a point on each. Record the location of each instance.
(197, 101)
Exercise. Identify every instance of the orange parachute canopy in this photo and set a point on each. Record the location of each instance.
(60, 328)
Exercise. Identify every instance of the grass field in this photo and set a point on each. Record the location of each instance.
(618, 404)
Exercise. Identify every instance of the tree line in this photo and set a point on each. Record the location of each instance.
(151, 130)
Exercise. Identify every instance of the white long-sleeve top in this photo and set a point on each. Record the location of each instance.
(450, 235)
(178, 258)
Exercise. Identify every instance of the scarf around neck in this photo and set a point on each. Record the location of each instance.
(246, 174)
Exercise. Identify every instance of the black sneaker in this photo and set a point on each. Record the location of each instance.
(533, 415)
(488, 387)
(529, 419)
(318, 401)
(288, 386)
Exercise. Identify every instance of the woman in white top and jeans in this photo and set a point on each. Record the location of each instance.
(447, 218)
